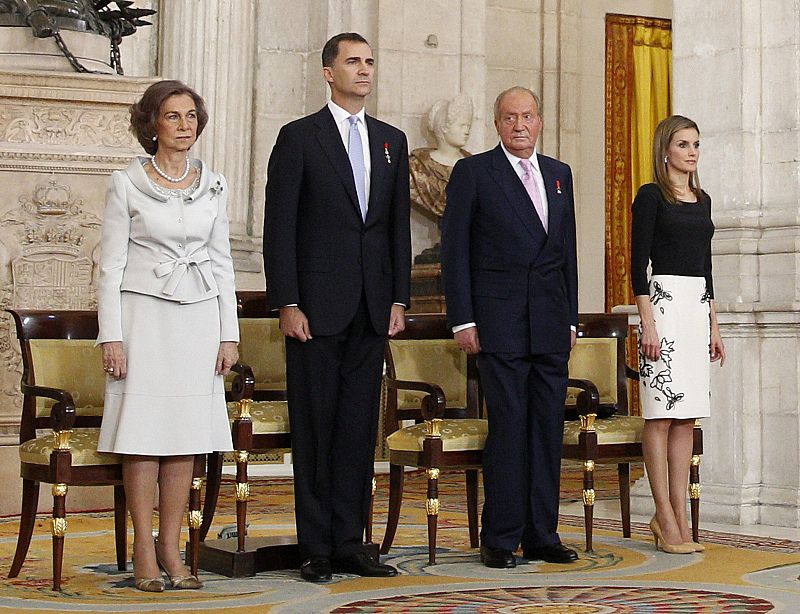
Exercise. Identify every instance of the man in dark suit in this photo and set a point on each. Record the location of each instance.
(337, 258)
(510, 274)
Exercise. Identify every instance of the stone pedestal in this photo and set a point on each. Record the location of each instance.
(61, 135)
(427, 293)
(21, 51)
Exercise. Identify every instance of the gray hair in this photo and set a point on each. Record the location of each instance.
(510, 90)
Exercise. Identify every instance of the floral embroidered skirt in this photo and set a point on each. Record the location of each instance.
(677, 384)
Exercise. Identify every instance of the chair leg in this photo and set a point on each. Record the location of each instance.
(471, 479)
(242, 496)
(195, 522)
(588, 501)
(694, 496)
(59, 529)
(368, 528)
(432, 509)
(396, 477)
(624, 475)
(213, 480)
(27, 520)
(120, 528)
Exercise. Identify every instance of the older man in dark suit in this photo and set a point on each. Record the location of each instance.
(510, 273)
(337, 259)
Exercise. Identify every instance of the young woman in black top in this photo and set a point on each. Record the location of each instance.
(678, 334)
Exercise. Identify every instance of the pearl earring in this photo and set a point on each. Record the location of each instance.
(665, 157)
(155, 138)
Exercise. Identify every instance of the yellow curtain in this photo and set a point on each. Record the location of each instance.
(638, 96)
(652, 95)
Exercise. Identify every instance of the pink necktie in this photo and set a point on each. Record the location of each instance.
(533, 190)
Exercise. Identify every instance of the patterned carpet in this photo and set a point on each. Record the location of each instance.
(735, 574)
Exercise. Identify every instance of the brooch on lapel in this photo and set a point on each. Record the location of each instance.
(216, 188)
(558, 186)
(386, 153)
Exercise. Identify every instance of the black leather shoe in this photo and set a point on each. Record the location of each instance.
(362, 564)
(316, 569)
(557, 553)
(498, 558)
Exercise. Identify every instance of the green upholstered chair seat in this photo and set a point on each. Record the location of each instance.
(268, 417)
(458, 434)
(572, 398)
(614, 430)
(83, 446)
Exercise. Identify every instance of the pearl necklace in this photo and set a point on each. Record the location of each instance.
(167, 177)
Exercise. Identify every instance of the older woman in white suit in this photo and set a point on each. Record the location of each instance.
(168, 326)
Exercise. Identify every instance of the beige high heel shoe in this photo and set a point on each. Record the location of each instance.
(664, 546)
(696, 546)
(150, 585)
(179, 582)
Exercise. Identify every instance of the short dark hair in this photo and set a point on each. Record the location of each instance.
(144, 112)
(331, 48)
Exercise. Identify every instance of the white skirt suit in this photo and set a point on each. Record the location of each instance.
(166, 290)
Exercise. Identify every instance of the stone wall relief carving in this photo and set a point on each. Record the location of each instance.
(51, 125)
(48, 259)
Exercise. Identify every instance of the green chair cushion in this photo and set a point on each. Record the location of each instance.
(268, 417)
(457, 434)
(616, 429)
(83, 445)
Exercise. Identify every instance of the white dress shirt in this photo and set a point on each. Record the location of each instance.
(342, 119)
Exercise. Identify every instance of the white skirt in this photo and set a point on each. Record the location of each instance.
(677, 384)
(171, 402)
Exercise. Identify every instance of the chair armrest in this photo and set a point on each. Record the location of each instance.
(434, 402)
(243, 385)
(588, 399)
(62, 414)
(631, 373)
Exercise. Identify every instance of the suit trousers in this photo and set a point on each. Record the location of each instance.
(525, 397)
(334, 387)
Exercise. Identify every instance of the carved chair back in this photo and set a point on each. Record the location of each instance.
(58, 352)
(599, 357)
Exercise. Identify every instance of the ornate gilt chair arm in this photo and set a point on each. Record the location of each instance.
(62, 414)
(244, 382)
(588, 398)
(434, 402)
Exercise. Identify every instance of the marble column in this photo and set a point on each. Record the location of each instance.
(211, 46)
(738, 78)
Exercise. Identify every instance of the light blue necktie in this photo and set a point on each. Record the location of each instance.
(355, 152)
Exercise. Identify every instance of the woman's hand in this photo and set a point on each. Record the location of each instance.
(226, 357)
(650, 342)
(115, 363)
(716, 349)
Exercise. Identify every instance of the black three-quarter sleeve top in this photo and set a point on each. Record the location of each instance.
(674, 238)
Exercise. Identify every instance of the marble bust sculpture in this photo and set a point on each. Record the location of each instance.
(449, 123)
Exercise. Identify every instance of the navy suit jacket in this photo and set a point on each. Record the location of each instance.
(500, 269)
(318, 253)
